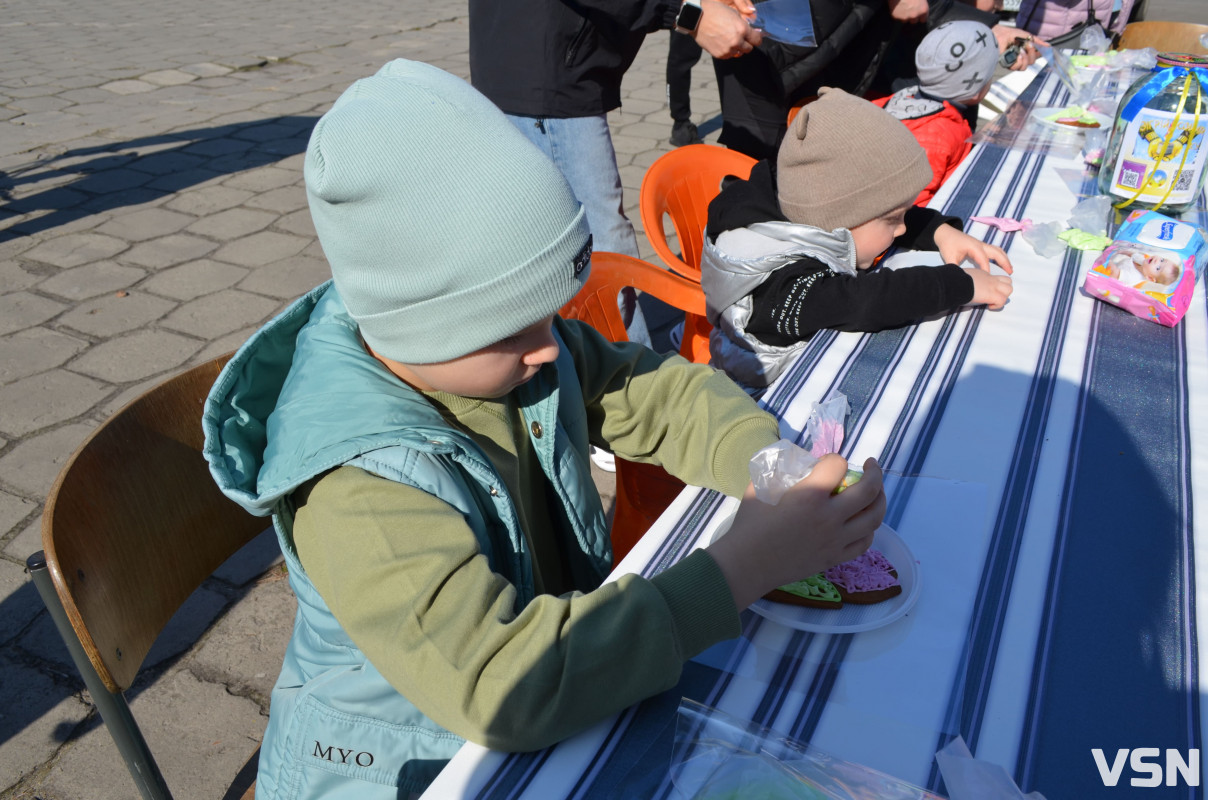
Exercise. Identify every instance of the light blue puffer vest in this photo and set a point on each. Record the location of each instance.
(301, 397)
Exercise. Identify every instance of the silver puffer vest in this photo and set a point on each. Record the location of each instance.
(735, 265)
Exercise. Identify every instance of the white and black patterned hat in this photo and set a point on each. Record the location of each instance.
(956, 60)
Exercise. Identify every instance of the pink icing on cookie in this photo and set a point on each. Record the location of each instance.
(867, 573)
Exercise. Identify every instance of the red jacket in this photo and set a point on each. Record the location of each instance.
(944, 134)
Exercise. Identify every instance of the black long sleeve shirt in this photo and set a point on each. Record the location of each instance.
(806, 296)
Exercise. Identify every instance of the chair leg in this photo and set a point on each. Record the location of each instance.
(113, 707)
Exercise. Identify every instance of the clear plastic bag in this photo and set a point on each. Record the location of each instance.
(720, 757)
(779, 466)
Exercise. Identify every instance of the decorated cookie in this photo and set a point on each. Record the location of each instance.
(852, 476)
(813, 592)
(1075, 117)
(870, 578)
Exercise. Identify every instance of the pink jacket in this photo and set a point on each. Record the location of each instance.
(1049, 18)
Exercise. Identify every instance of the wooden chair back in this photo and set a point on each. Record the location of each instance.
(1165, 37)
(132, 526)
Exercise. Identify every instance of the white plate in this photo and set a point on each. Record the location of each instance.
(853, 618)
(1039, 114)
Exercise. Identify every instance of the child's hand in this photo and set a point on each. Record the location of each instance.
(990, 290)
(955, 246)
(809, 530)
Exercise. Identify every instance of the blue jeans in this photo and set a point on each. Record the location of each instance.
(581, 147)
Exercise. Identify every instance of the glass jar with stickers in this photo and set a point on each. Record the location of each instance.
(1156, 155)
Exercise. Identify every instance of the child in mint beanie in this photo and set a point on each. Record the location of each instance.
(419, 429)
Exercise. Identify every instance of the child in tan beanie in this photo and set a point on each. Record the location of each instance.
(788, 251)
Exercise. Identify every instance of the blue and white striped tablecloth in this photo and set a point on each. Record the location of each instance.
(1044, 461)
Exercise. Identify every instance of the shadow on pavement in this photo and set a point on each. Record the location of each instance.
(91, 180)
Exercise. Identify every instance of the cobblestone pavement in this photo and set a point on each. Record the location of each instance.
(152, 215)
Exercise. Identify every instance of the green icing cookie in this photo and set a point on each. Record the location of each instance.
(851, 477)
(814, 587)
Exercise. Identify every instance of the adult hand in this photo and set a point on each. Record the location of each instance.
(989, 290)
(909, 10)
(809, 530)
(723, 32)
(955, 246)
(1006, 35)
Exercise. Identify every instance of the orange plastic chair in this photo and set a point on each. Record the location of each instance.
(1165, 37)
(643, 490)
(680, 184)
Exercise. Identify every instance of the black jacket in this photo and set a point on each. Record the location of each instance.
(559, 58)
(806, 296)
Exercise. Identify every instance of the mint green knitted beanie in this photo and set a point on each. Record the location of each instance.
(446, 230)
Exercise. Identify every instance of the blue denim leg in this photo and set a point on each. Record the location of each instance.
(581, 147)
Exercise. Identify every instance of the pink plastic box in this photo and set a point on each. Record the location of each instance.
(1151, 268)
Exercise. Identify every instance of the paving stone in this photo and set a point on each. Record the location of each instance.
(77, 249)
(13, 277)
(35, 350)
(218, 146)
(91, 280)
(149, 223)
(32, 465)
(44, 103)
(136, 356)
(289, 277)
(208, 200)
(263, 179)
(37, 715)
(227, 344)
(128, 87)
(116, 313)
(24, 310)
(233, 223)
(216, 314)
(200, 735)
(166, 163)
(13, 510)
(283, 200)
(245, 648)
(168, 251)
(191, 280)
(25, 544)
(261, 248)
(298, 222)
(46, 399)
(168, 77)
(206, 69)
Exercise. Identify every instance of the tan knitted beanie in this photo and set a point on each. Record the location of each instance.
(844, 161)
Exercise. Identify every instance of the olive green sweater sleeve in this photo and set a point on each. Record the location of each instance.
(690, 419)
(402, 573)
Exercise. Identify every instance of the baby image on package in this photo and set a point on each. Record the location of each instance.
(1151, 268)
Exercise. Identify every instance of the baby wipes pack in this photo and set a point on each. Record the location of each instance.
(1150, 268)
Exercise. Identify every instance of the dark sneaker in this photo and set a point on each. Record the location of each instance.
(684, 132)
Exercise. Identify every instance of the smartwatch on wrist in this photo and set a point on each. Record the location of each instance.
(688, 18)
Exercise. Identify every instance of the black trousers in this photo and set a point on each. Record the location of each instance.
(682, 56)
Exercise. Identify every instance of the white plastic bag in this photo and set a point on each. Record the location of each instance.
(966, 778)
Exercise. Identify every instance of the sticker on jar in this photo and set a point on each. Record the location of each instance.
(1160, 170)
